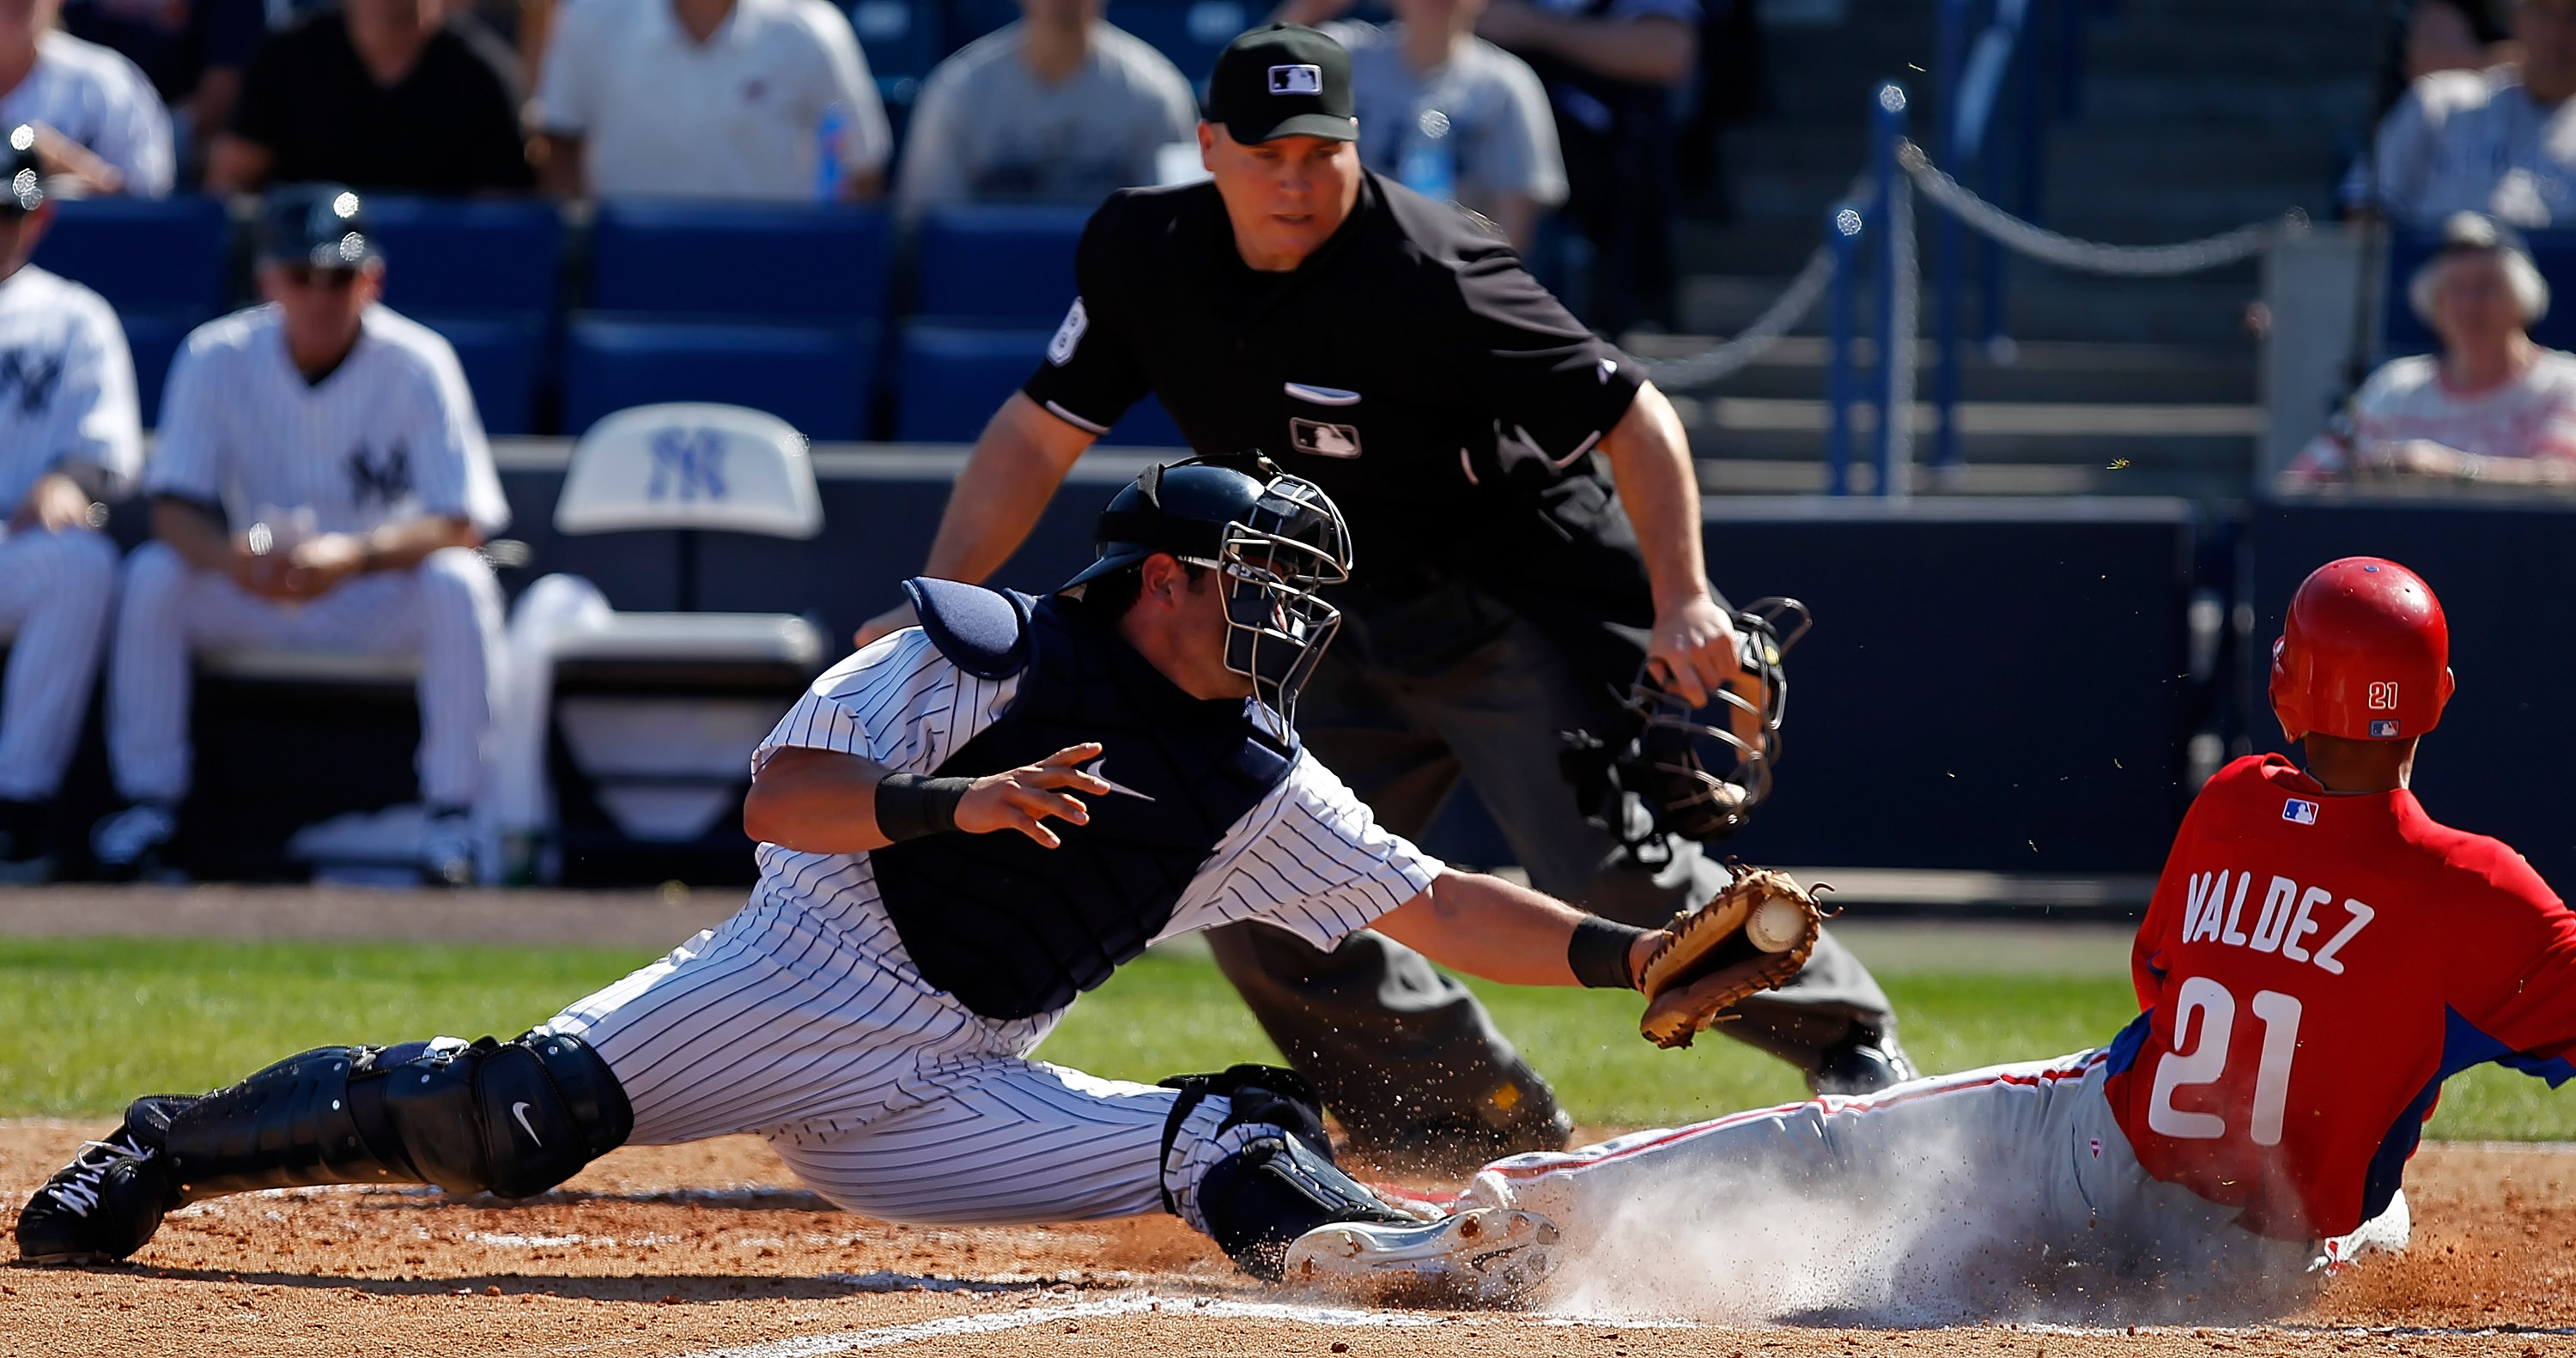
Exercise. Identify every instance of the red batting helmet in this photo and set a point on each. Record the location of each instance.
(2365, 654)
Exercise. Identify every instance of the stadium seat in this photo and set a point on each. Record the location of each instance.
(2401, 333)
(902, 39)
(1006, 267)
(817, 378)
(954, 377)
(1190, 32)
(818, 264)
(779, 308)
(159, 261)
(654, 715)
(484, 274)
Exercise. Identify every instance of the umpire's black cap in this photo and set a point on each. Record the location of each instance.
(1283, 80)
(26, 177)
(322, 226)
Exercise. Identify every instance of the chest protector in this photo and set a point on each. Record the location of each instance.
(1013, 929)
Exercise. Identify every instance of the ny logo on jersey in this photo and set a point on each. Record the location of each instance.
(688, 464)
(2383, 696)
(386, 482)
(35, 374)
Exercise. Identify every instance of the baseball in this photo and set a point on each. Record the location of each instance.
(1776, 926)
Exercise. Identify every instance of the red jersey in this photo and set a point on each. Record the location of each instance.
(2312, 968)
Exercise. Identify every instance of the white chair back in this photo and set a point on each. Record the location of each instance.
(691, 465)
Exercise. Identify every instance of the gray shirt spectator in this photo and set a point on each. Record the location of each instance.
(2501, 141)
(97, 116)
(1059, 108)
(709, 99)
(1435, 101)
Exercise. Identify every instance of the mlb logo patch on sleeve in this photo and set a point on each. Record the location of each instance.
(1296, 80)
(2383, 728)
(2299, 811)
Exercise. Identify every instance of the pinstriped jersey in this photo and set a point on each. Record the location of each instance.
(66, 387)
(1308, 858)
(391, 434)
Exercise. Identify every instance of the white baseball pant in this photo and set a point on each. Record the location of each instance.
(56, 591)
(883, 1093)
(2005, 1190)
(446, 610)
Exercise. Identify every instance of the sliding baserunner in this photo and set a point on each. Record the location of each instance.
(2320, 955)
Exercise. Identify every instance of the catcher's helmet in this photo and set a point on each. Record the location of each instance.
(2365, 654)
(1276, 540)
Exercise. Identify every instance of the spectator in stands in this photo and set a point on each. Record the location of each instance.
(319, 482)
(2500, 141)
(1059, 108)
(1611, 68)
(1446, 113)
(193, 51)
(2492, 407)
(68, 434)
(390, 94)
(98, 120)
(740, 99)
(2429, 36)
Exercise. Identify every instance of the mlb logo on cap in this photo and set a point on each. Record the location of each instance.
(2299, 812)
(1296, 80)
(2383, 728)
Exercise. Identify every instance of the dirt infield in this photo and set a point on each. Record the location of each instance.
(700, 1249)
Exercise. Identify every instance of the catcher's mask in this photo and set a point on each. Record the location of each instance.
(1275, 540)
(1699, 771)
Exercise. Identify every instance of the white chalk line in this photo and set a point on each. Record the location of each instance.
(992, 1322)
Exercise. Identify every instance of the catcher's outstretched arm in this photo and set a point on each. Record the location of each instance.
(1487, 927)
(823, 801)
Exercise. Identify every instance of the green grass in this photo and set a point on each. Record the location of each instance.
(85, 1024)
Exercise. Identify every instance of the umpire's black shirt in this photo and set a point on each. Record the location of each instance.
(1410, 366)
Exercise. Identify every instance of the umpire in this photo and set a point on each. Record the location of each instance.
(1391, 349)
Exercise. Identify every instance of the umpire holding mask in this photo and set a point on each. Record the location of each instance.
(1526, 524)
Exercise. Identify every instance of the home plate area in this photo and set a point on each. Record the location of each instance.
(711, 1249)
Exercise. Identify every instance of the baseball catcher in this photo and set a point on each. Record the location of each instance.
(963, 827)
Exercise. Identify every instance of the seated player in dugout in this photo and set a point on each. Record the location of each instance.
(1531, 564)
(963, 827)
(2319, 956)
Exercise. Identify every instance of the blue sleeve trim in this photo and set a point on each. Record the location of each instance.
(2123, 1051)
(984, 632)
(2464, 1044)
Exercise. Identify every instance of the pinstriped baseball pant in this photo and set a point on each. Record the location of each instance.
(447, 611)
(56, 591)
(810, 1029)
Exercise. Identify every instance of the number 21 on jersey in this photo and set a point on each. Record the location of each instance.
(2204, 1062)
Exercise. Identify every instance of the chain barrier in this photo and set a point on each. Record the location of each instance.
(2084, 256)
(1721, 361)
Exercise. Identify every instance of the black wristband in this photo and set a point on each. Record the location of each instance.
(910, 806)
(1598, 953)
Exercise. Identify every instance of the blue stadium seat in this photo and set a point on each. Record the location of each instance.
(1190, 32)
(2400, 333)
(1004, 267)
(814, 377)
(158, 261)
(781, 264)
(954, 377)
(485, 275)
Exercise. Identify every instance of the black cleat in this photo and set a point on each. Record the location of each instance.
(1863, 1063)
(26, 842)
(101, 1207)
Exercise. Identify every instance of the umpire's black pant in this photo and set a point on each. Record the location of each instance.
(1412, 698)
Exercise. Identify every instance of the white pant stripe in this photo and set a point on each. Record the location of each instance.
(56, 592)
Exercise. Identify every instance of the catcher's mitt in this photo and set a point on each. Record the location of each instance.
(1751, 937)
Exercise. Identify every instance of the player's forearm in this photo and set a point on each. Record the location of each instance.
(1014, 470)
(189, 529)
(815, 801)
(1650, 463)
(560, 170)
(401, 546)
(1487, 927)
